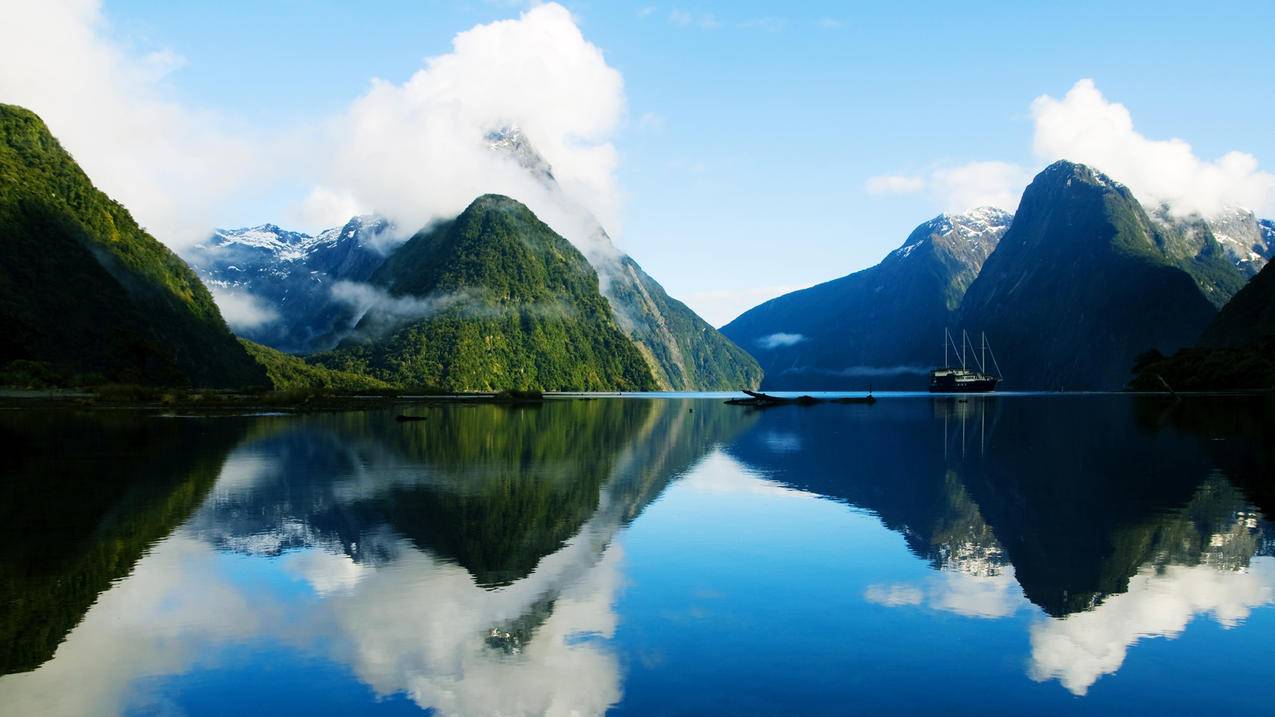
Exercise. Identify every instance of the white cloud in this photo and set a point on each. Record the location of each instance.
(984, 596)
(894, 184)
(242, 310)
(1078, 649)
(959, 188)
(780, 339)
(830, 23)
(719, 473)
(1085, 127)
(894, 595)
(979, 184)
(174, 167)
(391, 311)
(415, 151)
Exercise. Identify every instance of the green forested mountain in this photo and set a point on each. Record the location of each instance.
(493, 299)
(1083, 281)
(682, 350)
(881, 326)
(86, 291)
(291, 373)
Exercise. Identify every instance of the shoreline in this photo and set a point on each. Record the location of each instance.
(218, 402)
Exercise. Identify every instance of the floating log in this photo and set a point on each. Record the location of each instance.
(765, 400)
(404, 418)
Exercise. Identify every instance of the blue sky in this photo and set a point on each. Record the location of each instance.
(752, 129)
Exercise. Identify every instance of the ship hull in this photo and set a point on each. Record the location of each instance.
(981, 386)
(961, 381)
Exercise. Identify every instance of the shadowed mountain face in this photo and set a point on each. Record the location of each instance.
(82, 498)
(1083, 282)
(84, 290)
(1076, 496)
(882, 326)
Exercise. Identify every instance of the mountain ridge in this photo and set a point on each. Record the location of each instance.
(86, 291)
(880, 326)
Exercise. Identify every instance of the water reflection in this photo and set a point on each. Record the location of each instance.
(431, 554)
(473, 562)
(1109, 515)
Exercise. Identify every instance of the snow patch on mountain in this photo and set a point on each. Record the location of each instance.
(975, 229)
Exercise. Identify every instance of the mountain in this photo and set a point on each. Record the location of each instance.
(1083, 281)
(85, 291)
(290, 276)
(1237, 349)
(1247, 241)
(1249, 317)
(291, 373)
(491, 300)
(881, 326)
(682, 350)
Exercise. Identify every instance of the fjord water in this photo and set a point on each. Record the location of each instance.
(1003, 555)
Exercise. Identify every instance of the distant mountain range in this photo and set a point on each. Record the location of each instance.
(1070, 290)
(1078, 286)
(291, 275)
(882, 326)
(85, 294)
(307, 281)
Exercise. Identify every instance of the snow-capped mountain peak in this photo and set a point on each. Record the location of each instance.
(510, 142)
(978, 230)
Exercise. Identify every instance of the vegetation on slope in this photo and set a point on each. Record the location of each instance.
(492, 300)
(291, 373)
(684, 352)
(84, 290)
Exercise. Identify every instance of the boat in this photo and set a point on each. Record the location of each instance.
(964, 379)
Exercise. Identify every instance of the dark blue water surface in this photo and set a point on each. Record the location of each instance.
(644, 556)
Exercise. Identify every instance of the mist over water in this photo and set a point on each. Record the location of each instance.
(1049, 554)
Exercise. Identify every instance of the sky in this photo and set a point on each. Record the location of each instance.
(737, 150)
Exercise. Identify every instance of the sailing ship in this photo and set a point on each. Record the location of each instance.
(951, 379)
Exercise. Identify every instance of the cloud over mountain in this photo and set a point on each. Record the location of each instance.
(111, 107)
(417, 151)
(1084, 126)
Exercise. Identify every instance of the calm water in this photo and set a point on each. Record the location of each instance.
(1012, 555)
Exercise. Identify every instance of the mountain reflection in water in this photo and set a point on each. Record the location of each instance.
(477, 562)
